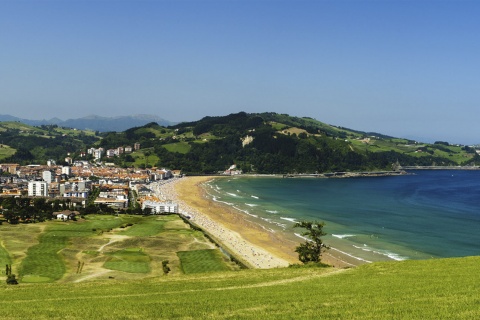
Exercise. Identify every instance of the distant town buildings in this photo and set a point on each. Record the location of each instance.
(47, 176)
(37, 189)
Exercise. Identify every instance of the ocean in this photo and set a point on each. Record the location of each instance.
(426, 214)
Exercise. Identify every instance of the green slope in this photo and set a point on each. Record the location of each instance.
(276, 143)
(433, 289)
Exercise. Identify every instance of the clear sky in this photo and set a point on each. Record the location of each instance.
(404, 68)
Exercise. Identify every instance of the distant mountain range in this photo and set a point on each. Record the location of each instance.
(96, 123)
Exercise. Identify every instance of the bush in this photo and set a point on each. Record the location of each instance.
(11, 279)
(166, 268)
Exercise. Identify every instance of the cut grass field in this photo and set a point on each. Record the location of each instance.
(132, 260)
(199, 261)
(124, 246)
(429, 289)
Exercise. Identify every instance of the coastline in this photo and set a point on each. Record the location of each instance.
(246, 240)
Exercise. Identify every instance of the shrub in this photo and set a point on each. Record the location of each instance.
(11, 279)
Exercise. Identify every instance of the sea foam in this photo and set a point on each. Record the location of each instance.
(343, 236)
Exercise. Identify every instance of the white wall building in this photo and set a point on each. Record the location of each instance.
(37, 189)
(67, 170)
(47, 176)
(160, 207)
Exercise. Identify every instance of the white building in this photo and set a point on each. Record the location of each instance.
(160, 207)
(111, 152)
(37, 189)
(97, 154)
(67, 170)
(47, 176)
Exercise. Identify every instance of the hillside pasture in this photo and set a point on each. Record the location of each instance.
(6, 151)
(145, 157)
(180, 147)
(428, 289)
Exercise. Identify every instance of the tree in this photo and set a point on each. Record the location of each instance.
(311, 250)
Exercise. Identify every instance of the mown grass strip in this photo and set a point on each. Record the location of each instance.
(199, 261)
(4, 258)
(132, 260)
(145, 228)
(43, 262)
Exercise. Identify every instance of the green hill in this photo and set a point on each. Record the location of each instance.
(256, 143)
(27, 144)
(278, 143)
(429, 289)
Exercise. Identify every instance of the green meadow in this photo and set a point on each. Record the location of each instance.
(429, 289)
(6, 151)
(110, 267)
(102, 246)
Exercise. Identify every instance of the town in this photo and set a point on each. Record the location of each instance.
(37, 192)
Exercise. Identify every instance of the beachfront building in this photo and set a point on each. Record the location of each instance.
(157, 207)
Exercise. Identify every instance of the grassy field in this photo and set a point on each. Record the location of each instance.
(6, 151)
(141, 159)
(180, 147)
(199, 261)
(430, 289)
(132, 260)
(123, 247)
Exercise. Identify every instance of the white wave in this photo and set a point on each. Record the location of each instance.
(350, 255)
(255, 197)
(251, 204)
(288, 219)
(224, 202)
(272, 211)
(232, 194)
(391, 255)
(281, 225)
(246, 212)
(300, 236)
(343, 236)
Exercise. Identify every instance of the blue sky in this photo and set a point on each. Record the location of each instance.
(403, 68)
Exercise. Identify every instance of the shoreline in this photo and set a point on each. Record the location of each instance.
(247, 240)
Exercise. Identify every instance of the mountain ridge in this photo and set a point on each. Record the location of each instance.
(95, 122)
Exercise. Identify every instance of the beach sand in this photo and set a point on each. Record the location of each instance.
(248, 241)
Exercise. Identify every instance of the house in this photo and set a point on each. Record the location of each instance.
(177, 173)
(66, 215)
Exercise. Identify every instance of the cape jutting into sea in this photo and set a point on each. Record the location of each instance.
(430, 213)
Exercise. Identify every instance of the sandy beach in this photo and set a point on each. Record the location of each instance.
(249, 242)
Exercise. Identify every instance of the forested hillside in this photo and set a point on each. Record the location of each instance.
(256, 143)
(39, 144)
(276, 143)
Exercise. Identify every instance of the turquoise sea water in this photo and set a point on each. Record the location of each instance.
(419, 216)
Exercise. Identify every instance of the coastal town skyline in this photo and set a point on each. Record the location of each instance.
(406, 69)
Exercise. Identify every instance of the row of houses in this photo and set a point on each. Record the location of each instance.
(98, 153)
